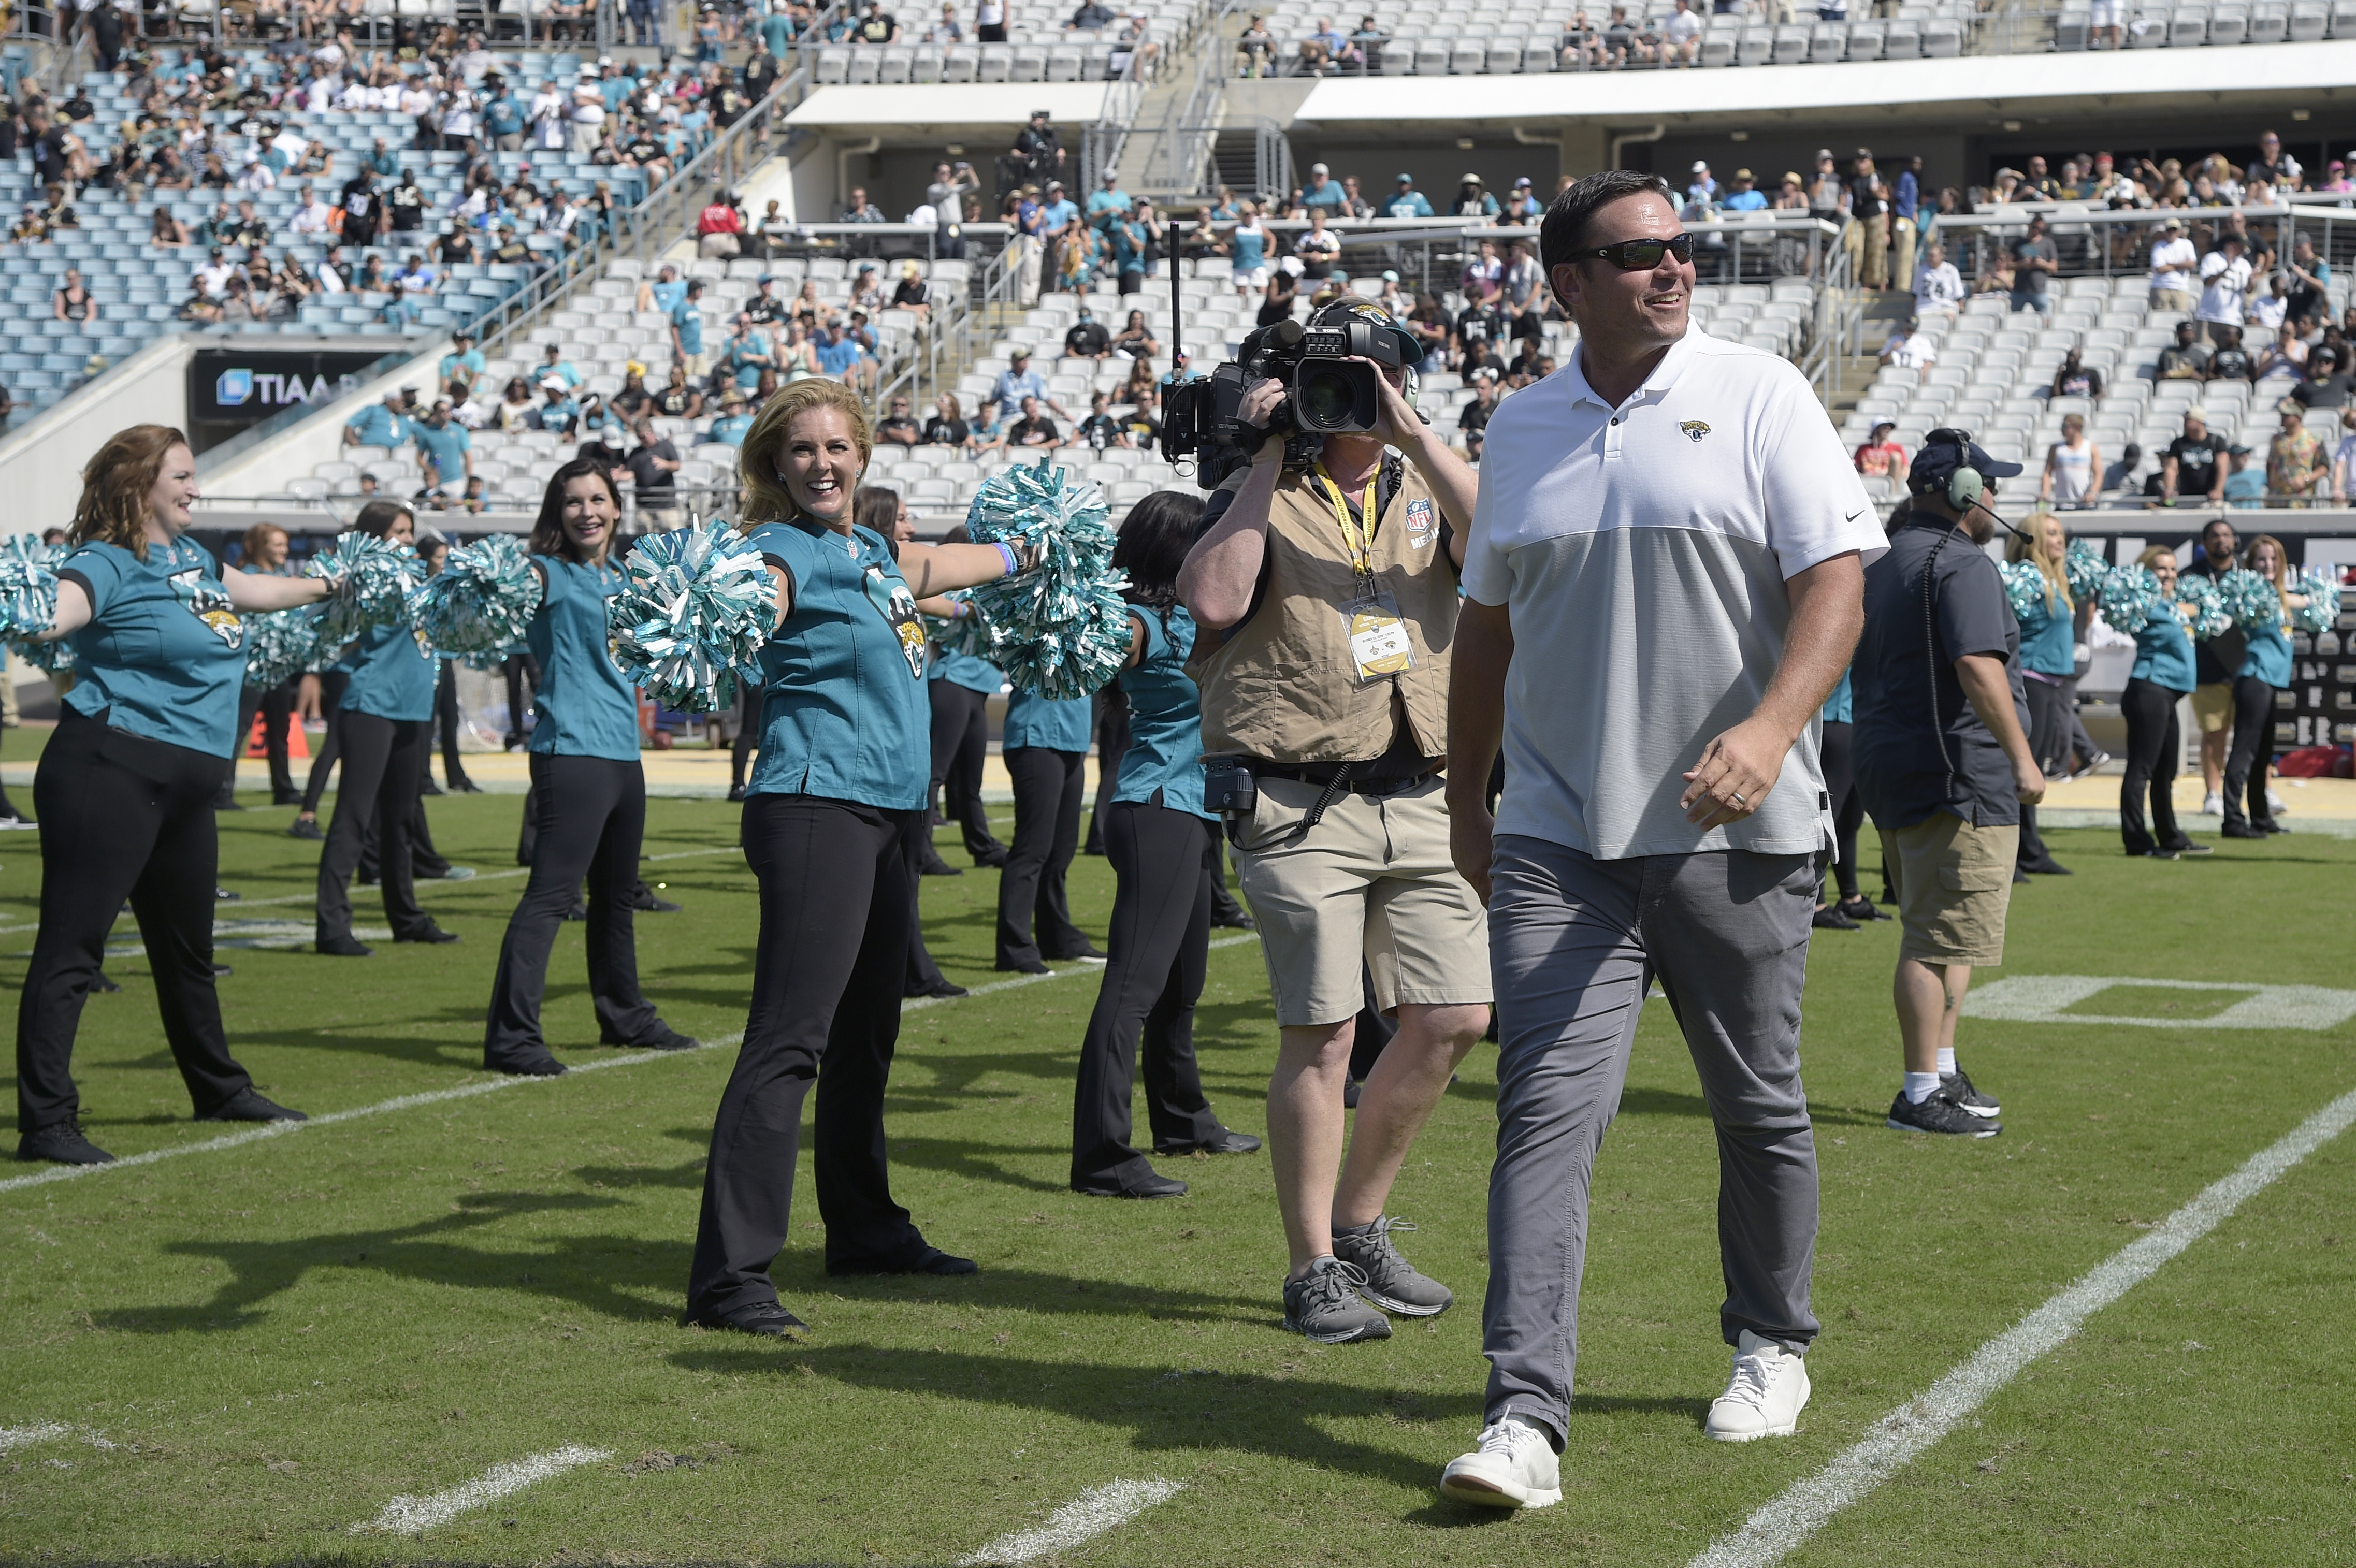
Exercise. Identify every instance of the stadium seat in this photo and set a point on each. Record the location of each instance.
(1431, 57)
(1866, 41)
(2187, 27)
(1942, 37)
(2309, 20)
(961, 63)
(1469, 58)
(1756, 46)
(1827, 41)
(2343, 19)
(2069, 31)
(1030, 64)
(1504, 57)
(1063, 64)
(866, 66)
(834, 65)
(2229, 25)
(1718, 48)
(1537, 54)
(1398, 55)
(897, 60)
(996, 60)
(2269, 22)
(1791, 44)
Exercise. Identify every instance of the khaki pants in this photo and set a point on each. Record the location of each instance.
(1953, 883)
(1877, 251)
(9, 718)
(1902, 263)
(2177, 300)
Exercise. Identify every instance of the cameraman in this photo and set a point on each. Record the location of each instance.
(1326, 594)
(1940, 744)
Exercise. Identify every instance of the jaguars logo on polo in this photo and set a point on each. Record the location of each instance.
(1694, 429)
(1422, 523)
(209, 603)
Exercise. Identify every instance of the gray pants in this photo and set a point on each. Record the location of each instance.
(1575, 943)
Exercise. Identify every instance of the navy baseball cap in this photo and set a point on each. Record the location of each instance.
(1944, 451)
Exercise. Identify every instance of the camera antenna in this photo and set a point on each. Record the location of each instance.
(1177, 295)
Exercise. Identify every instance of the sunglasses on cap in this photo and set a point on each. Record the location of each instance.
(1638, 255)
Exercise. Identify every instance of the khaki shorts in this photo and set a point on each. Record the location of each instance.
(1372, 885)
(2212, 706)
(1953, 883)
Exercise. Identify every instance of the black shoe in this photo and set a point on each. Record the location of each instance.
(942, 988)
(246, 1105)
(664, 1038)
(223, 896)
(295, 799)
(1153, 1184)
(429, 934)
(578, 912)
(1238, 921)
(2190, 847)
(737, 795)
(1939, 1115)
(991, 859)
(2019, 876)
(2158, 855)
(2049, 867)
(1228, 1141)
(1025, 966)
(1958, 1086)
(346, 946)
(2240, 830)
(98, 982)
(449, 874)
(937, 866)
(1831, 919)
(764, 1317)
(1085, 954)
(1350, 1091)
(2270, 825)
(467, 786)
(643, 901)
(428, 787)
(925, 1260)
(1860, 909)
(540, 1066)
(305, 828)
(1094, 846)
(61, 1143)
(227, 806)
(222, 970)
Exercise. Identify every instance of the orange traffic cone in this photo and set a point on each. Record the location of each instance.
(257, 744)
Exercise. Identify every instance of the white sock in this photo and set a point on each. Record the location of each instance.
(1920, 1086)
(1946, 1061)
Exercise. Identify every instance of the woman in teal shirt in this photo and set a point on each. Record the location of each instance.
(587, 786)
(2049, 661)
(1046, 753)
(125, 786)
(388, 713)
(2162, 674)
(842, 769)
(1156, 833)
(959, 690)
(2265, 669)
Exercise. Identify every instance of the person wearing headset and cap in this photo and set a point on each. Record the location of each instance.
(1940, 747)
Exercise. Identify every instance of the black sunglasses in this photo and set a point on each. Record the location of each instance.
(1638, 255)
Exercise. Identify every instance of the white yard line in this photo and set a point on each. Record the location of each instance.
(14, 1437)
(263, 1130)
(411, 1516)
(1085, 1517)
(1894, 1440)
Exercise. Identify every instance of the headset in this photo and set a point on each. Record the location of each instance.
(1965, 490)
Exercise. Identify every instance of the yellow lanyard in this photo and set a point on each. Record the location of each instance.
(1357, 539)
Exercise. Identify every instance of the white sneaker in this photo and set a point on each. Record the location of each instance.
(2277, 804)
(2213, 806)
(1513, 1467)
(1769, 1391)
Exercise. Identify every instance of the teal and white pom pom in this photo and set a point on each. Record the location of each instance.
(2083, 568)
(1062, 630)
(482, 601)
(968, 632)
(2321, 611)
(28, 599)
(2024, 586)
(2209, 616)
(695, 608)
(372, 579)
(278, 646)
(2130, 599)
(2249, 599)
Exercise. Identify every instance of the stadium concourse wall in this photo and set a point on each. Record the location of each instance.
(248, 478)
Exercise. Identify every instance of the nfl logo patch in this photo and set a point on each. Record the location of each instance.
(1422, 523)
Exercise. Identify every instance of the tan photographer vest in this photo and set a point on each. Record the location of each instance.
(1282, 685)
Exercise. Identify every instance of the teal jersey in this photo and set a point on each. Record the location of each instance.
(2268, 658)
(2164, 653)
(844, 714)
(1165, 717)
(1836, 706)
(162, 653)
(1056, 724)
(584, 707)
(393, 675)
(2049, 642)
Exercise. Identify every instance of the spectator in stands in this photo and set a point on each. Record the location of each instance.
(1326, 48)
(729, 429)
(677, 400)
(2327, 387)
(844, 357)
(2298, 467)
(2073, 468)
(363, 207)
(2284, 359)
(2034, 263)
(1088, 338)
(2246, 481)
(1034, 428)
(1018, 381)
(859, 209)
(2193, 463)
(1405, 201)
(1100, 430)
(380, 423)
(2075, 378)
(946, 427)
(2186, 359)
(653, 466)
(443, 448)
(720, 227)
(2226, 282)
(1909, 348)
(2310, 279)
(1881, 457)
(1681, 36)
(1581, 47)
(663, 291)
(558, 413)
(687, 332)
(1136, 340)
(1093, 17)
(1473, 200)
(899, 426)
(796, 356)
(1938, 287)
(2230, 362)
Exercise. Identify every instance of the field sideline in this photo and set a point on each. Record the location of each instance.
(446, 1331)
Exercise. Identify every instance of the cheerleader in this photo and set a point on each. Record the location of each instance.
(1154, 834)
(960, 689)
(843, 765)
(2265, 668)
(2049, 660)
(125, 787)
(265, 556)
(387, 710)
(1046, 754)
(589, 789)
(2163, 673)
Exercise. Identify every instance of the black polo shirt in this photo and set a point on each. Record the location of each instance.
(1906, 697)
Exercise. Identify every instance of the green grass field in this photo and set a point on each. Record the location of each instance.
(277, 1339)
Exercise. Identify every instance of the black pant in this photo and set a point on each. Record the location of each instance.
(1047, 790)
(960, 744)
(2254, 747)
(1849, 807)
(446, 726)
(748, 730)
(593, 813)
(1158, 942)
(380, 788)
(274, 706)
(122, 817)
(2049, 731)
(424, 860)
(826, 1005)
(332, 687)
(518, 669)
(2154, 742)
(923, 973)
(1111, 727)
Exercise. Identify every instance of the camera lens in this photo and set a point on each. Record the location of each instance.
(1328, 401)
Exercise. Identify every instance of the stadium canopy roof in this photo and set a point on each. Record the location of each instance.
(1972, 86)
(922, 110)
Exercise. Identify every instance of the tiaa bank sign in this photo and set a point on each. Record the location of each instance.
(230, 389)
(271, 390)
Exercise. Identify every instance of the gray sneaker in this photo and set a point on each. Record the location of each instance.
(1323, 1304)
(1391, 1281)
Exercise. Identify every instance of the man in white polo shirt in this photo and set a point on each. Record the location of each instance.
(1663, 582)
